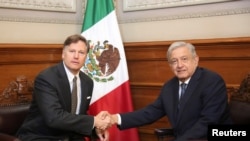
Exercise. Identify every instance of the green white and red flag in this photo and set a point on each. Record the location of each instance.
(106, 65)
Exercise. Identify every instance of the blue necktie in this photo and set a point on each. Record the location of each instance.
(183, 89)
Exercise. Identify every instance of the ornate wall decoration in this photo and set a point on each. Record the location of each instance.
(133, 5)
(51, 5)
(43, 11)
(131, 11)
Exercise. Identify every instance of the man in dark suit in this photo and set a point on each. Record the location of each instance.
(204, 101)
(51, 117)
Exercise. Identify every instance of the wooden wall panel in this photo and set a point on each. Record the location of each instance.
(149, 71)
(233, 71)
(147, 66)
(142, 96)
(26, 59)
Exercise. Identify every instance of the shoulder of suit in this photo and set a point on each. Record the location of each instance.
(82, 75)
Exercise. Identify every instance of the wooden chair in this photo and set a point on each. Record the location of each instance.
(164, 134)
(15, 101)
(239, 104)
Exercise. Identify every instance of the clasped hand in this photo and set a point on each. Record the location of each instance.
(103, 121)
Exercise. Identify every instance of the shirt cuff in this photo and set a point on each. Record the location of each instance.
(119, 121)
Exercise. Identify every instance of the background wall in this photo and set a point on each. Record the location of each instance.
(195, 28)
(30, 40)
(40, 21)
(215, 20)
(158, 21)
(26, 32)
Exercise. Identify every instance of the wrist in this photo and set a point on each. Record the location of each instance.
(115, 118)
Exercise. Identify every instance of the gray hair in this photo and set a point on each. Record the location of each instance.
(178, 44)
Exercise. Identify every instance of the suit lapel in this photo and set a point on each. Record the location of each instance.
(192, 86)
(175, 99)
(85, 99)
(65, 87)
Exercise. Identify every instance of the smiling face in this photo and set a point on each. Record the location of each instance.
(183, 62)
(74, 55)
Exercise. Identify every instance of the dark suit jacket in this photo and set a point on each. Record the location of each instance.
(49, 116)
(204, 103)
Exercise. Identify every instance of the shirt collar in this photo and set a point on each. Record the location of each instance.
(186, 82)
(69, 74)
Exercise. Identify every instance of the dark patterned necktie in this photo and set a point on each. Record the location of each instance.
(183, 89)
(74, 96)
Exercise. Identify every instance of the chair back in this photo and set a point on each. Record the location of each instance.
(12, 116)
(14, 104)
(240, 103)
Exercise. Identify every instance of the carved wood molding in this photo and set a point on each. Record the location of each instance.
(243, 93)
(17, 91)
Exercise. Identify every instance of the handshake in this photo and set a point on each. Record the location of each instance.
(103, 121)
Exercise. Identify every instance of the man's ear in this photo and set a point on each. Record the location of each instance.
(196, 58)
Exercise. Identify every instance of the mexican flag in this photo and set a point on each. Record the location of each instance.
(106, 65)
